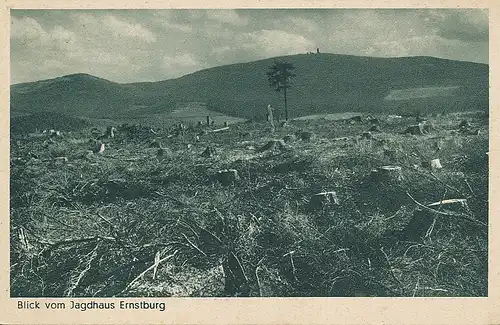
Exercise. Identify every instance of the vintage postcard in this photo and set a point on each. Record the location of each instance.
(267, 162)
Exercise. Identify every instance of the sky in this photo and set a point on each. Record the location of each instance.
(151, 45)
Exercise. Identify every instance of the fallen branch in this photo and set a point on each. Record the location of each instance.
(257, 276)
(75, 240)
(219, 130)
(392, 270)
(447, 185)
(193, 245)
(447, 214)
(80, 276)
(146, 270)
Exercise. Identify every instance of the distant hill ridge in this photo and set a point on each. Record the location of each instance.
(325, 83)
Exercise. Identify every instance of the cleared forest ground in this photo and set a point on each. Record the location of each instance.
(151, 215)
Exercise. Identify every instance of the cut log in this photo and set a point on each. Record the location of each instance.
(391, 174)
(220, 130)
(320, 200)
(457, 205)
(273, 144)
(227, 176)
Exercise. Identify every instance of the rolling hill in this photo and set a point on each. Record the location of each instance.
(325, 83)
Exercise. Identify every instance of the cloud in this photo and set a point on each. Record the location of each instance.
(29, 32)
(471, 25)
(148, 45)
(121, 27)
(180, 64)
(277, 42)
(226, 16)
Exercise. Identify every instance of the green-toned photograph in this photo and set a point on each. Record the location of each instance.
(249, 153)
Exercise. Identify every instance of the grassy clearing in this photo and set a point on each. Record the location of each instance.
(130, 222)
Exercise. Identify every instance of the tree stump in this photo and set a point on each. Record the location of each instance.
(60, 161)
(54, 134)
(162, 152)
(227, 176)
(417, 129)
(355, 119)
(467, 131)
(320, 200)
(464, 124)
(436, 164)
(289, 138)
(387, 174)
(427, 127)
(209, 152)
(110, 131)
(367, 135)
(99, 147)
(419, 120)
(305, 135)
(273, 144)
(155, 144)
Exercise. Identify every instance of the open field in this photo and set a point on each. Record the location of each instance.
(151, 216)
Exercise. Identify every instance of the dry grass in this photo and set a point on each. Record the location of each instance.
(91, 226)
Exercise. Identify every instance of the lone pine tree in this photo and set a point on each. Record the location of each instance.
(279, 77)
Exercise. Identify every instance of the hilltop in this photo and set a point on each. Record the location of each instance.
(325, 83)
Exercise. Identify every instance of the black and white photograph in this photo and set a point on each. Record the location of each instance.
(252, 152)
